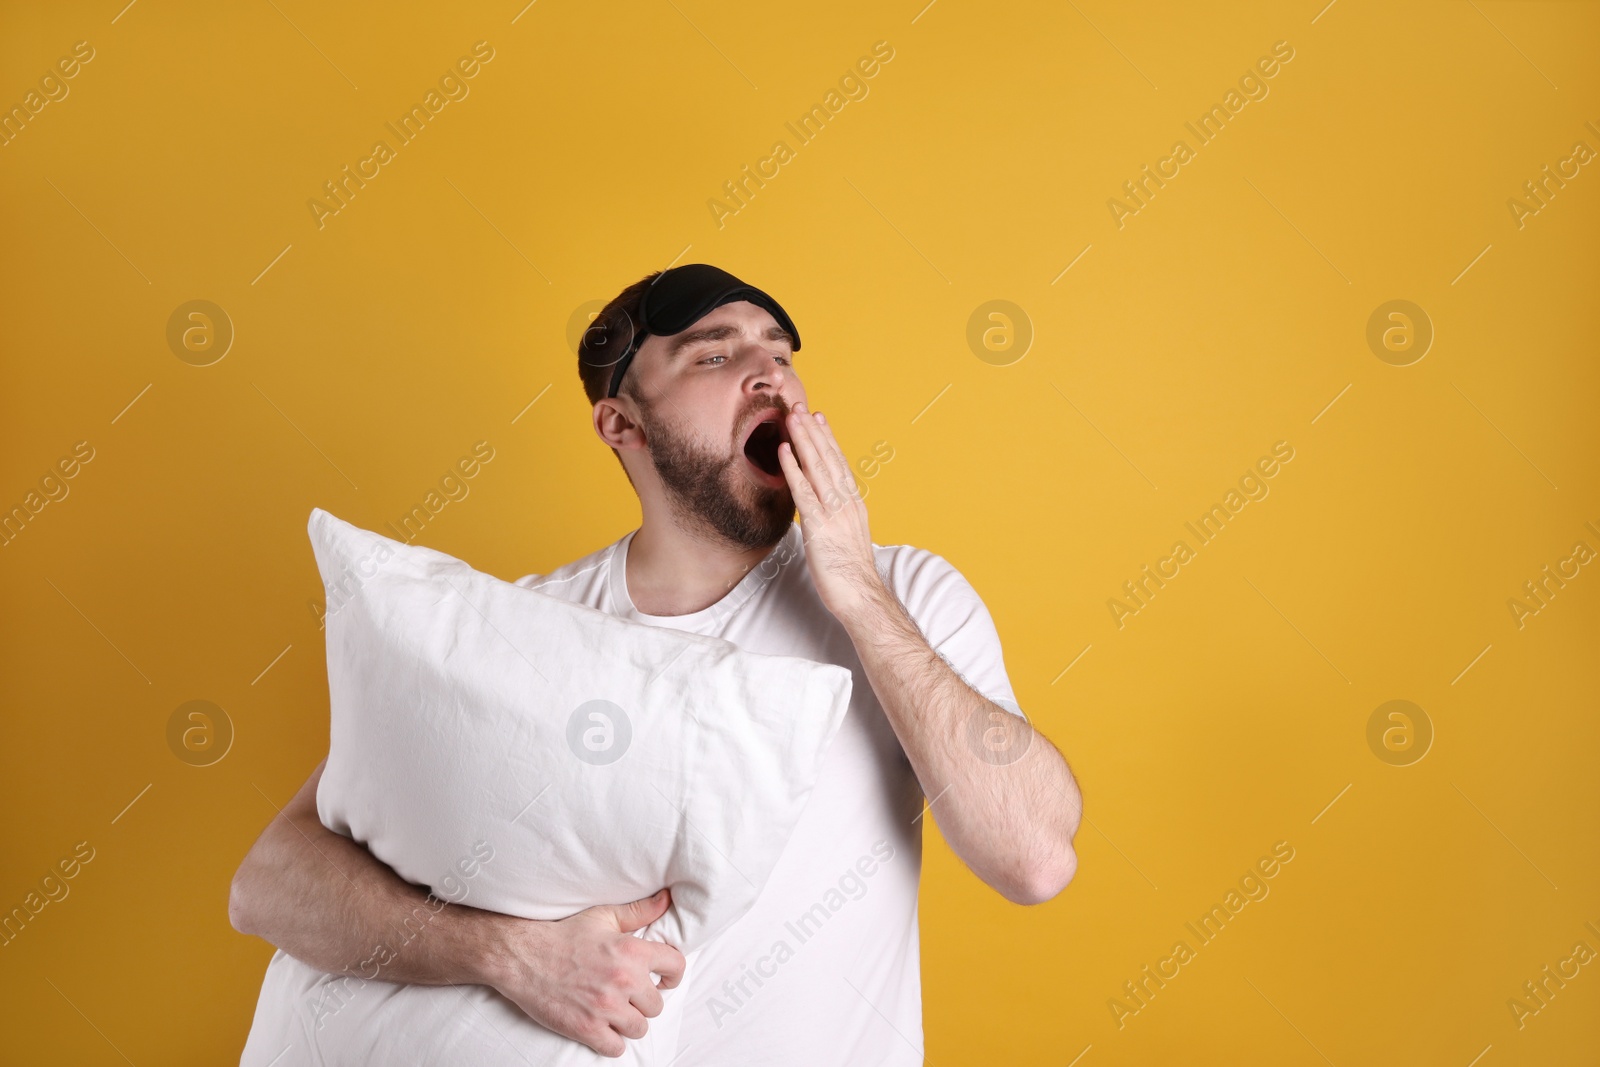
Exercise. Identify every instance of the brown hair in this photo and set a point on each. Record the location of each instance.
(603, 343)
(607, 337)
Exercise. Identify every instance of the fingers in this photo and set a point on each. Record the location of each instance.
(832, 454)
(808, 450)
(621, 1010)
(641, 913)
(630, 1023)
(666, 961)
(805, 497)
(820, 459)
(604, 1040)
(586, 979)
(647, 1001)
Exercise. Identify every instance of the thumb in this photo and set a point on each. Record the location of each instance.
(631, 917)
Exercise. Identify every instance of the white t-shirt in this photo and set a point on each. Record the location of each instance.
(824, 968)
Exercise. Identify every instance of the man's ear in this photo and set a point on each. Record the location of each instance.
(615, 423)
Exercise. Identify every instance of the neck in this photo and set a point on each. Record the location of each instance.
(673, 571)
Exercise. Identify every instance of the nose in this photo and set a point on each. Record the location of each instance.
(768, 369)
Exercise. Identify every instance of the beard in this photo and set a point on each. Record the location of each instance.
(709, 488)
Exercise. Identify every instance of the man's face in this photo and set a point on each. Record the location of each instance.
(700, 394)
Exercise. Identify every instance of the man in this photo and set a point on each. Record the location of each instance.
(694, 387)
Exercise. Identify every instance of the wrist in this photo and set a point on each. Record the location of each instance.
(488, 948)
(873, 615)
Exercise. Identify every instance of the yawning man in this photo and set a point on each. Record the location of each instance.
(693, 379)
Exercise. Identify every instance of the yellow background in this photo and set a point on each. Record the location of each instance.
(1178, 349)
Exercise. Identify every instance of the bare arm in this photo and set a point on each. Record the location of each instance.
(1008, 804)
(1005, 799)
(328, 902)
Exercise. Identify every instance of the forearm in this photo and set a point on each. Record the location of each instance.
(1004, 798)
(328, 902)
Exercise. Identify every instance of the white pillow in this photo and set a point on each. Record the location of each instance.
(525, 754)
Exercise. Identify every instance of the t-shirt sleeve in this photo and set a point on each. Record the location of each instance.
(953, 619)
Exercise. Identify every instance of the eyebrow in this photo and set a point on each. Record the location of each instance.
(722, 333)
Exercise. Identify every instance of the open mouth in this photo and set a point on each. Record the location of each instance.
(761, 444)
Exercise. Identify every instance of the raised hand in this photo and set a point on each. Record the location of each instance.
(833, 517)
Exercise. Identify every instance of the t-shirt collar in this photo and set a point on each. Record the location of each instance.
(707, 619)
